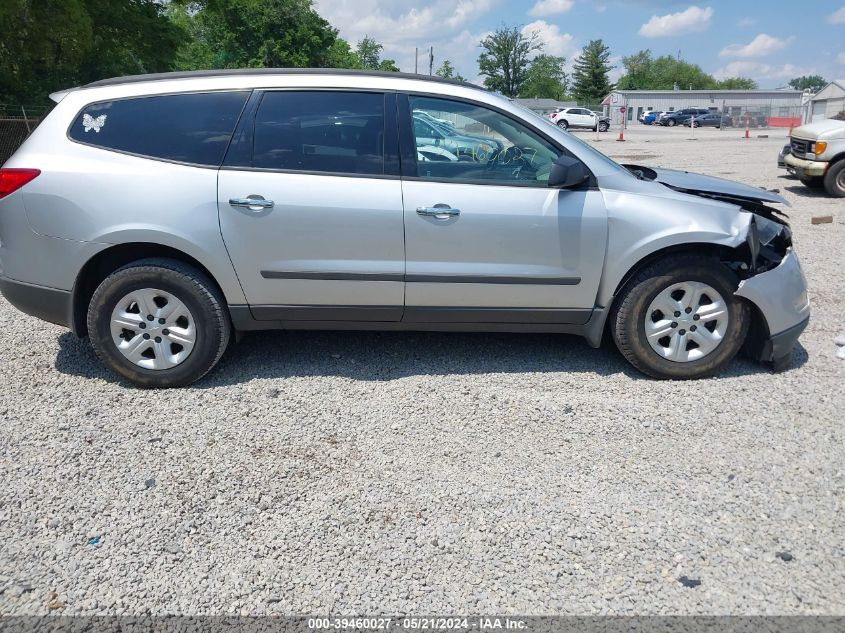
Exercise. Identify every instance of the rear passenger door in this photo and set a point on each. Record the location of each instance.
(310, 206)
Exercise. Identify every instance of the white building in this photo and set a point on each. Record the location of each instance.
(828, 102)
(776, 108)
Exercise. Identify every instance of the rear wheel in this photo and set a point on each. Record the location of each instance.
(679, 318)
(671, 123)
(563, 125)
(158, 323)
(834, 179)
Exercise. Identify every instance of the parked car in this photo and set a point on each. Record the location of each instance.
(679, 116)
(643, 115)
(711, 119)
(652, 117)
(817, 156)
(566, 118)
(160, 215)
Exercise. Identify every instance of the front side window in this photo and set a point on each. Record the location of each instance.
(313, 131)
(188, 128)
(474, 143)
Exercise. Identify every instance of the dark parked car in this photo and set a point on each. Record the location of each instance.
(679, 116)
(712, 119)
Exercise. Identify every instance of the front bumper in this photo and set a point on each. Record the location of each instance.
(806, 168)
(781, 296)
(49, 304)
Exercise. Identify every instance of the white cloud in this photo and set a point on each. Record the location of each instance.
(689, 21)
(746, 22)
(402, 25)
(840, 59)
(760, 46)
(543, 8)
(837, 17)
(759, 70)
(554, 42)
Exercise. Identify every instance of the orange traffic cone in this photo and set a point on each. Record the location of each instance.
(621, 135)
(747, 135)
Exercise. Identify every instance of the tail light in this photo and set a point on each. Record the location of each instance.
(12, 179)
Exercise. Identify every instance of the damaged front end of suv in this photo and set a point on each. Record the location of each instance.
(771, 279)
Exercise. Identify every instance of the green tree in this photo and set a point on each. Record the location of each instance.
(737, 83)
(505, 59)
(48, 45)
(546, 78)
(808, 82)
(368, 52)
(643, 72)
(256, 33)
(590, 73)
(638, 68)
(447, 71)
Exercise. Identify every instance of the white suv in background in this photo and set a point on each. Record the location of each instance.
(566, 118)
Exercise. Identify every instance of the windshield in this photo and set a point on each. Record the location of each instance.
(582, 144)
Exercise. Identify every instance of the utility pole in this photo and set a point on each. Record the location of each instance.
(431, 61)
(416, 59)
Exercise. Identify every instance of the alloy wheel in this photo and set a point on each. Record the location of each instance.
(686, 321)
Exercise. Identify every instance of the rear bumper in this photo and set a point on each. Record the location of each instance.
(48, 304)
(781, 296)
(805, 168)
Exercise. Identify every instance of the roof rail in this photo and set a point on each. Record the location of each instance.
(229, 72)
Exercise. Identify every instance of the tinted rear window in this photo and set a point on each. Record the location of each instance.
(330, 131)
(189, 128)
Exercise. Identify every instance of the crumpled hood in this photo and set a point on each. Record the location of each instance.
(690, 182)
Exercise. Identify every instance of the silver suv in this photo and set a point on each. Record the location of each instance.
(160, 214)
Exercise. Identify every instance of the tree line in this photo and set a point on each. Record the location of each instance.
(49, 45)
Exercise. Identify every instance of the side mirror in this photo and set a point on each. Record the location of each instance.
(567, 172)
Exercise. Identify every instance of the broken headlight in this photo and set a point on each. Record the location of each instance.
(768, 242)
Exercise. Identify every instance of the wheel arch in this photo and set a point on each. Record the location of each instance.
(707, 249)
(105, 262)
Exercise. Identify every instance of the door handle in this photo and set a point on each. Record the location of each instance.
(252, 202)
(439, 211)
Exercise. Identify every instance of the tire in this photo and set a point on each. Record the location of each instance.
(813, 182)
(563, 124)
(628, 318)
(834, 179)
(671, 123)
(203, 323)
(603, 127)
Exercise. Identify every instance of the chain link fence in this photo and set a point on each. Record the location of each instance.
(16, 123)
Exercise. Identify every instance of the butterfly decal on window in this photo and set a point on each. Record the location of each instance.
(91, 123)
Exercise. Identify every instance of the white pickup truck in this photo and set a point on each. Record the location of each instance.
(817, 155)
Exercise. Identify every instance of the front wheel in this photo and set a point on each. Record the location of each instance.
(679, 318)
(834, 179)
(603, 127)
(671, 123)
(158, 323)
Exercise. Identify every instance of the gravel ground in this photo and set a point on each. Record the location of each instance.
(396, 473)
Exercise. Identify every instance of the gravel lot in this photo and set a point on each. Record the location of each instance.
(430, 473)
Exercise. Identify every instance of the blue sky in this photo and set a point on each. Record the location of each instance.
(768, 40)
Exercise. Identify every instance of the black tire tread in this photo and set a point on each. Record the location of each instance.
(829, 180)
(207, 289)
(622, 311)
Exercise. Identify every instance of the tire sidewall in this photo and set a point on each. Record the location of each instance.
(833, 174)
(563, 125)
(647, 290)
(117, 286)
